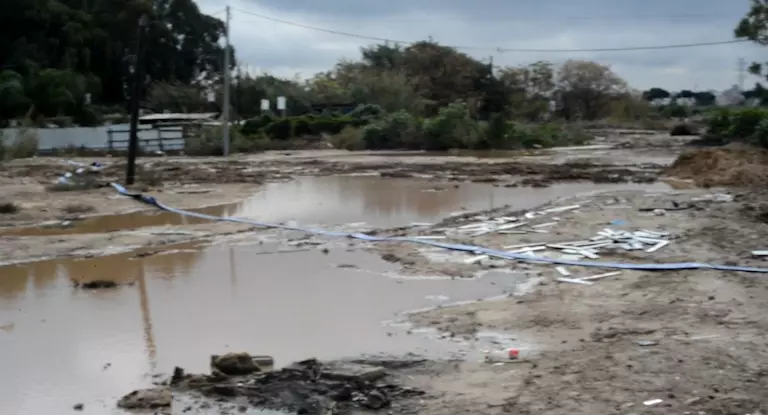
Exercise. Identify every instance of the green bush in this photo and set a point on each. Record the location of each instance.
(324, 125)
(282, 129)
(208, 142)
(719, 122)
(496, 133)
(746, 125)
(675, 111)
(301, 126)
(744, 122)
(399, 130)
(760, 137)
(350, 138)
(452, 128)
(367, 112)
(255, 125)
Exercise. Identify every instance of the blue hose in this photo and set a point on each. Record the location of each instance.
(454, 247)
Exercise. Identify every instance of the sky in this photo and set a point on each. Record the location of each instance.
(486, 26)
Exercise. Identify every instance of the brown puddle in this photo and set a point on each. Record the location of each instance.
(112, 223)
(334, 200)
(71, 345)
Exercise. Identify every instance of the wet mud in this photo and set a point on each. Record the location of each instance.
(605, 348)
(244, 295)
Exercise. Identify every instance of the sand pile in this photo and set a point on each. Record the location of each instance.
(737, 167)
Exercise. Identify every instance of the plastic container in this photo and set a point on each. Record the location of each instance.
(502, 356)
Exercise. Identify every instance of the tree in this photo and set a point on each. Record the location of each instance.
(656, 93)
(530, 89)
(704, 98)
(585, 89)
(754, 26)
(66, 45)
(13, 99)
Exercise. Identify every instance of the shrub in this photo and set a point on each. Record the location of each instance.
(719, 122)
(24, 145)
(350, 138)
(744, 122)
(367, 112)
(399, 130)
(301, 126)
(682, 129)
(748, 124)
(254, 125)
(675, 111)
(208, 142)
(760, 136)
(282, 129)
(496, 133)
(323, 125)
(452, 128)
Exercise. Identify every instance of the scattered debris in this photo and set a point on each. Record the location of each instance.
(96, 284)
(309, 387)
(760, 253)
(652, 402)
(78, 407)
(646, 343)
(502, 356)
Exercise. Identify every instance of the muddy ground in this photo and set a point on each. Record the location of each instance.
(693, 339)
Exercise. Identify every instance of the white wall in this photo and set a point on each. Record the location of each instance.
(93, 137)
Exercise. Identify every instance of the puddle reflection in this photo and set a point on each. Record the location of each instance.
(335, 200)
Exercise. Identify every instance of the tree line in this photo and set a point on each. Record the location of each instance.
(75, 58)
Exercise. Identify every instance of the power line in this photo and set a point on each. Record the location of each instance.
(518, 18)
(500, 50)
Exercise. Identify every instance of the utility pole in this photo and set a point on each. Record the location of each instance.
(225, 104)
(138, 81)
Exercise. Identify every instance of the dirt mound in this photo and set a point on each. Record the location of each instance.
(306, 387)
(738, 167)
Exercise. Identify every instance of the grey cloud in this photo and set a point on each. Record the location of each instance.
(490, 24)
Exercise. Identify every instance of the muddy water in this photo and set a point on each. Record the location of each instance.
(333, 200)
(62, 345)
(111, 223)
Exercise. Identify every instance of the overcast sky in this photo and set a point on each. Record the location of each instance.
(486, 25)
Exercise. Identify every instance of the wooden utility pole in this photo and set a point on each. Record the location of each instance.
(138, 81)
(225, 104)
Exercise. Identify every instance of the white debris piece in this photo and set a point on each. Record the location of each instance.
(574, 281)
(759, 253)
(476, 259)
(599, 276)
(563, 271)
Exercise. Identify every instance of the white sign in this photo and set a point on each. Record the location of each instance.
(281, 103)
(211, 96)
(265, 105)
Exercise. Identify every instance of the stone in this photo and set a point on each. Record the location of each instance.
(152, 398)
(235, 364)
